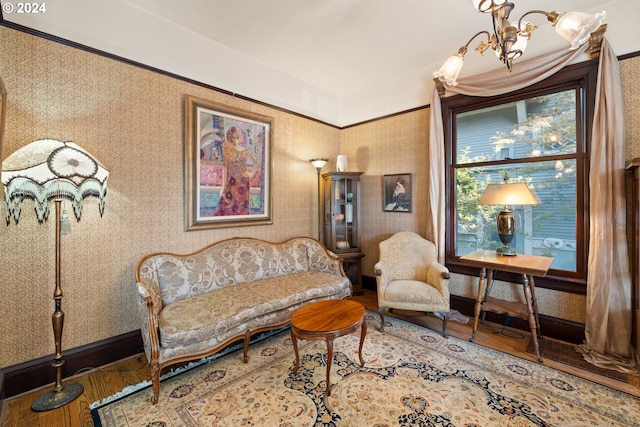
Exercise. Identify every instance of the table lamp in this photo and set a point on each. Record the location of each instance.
(507, 194)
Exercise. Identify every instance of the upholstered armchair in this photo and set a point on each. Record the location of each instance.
(409, 277)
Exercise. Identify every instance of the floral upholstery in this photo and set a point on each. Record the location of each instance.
(194, 305)
(409, 277)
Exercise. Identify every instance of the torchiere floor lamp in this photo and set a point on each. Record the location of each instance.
(319, 164)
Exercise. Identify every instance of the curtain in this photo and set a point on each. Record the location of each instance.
(437, 191)
(608, 322)
(609, 317)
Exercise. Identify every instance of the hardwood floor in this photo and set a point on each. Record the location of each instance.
(110, 379)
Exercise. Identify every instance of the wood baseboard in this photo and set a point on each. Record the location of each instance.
(1, 394)
(39, 372)
(551, 327)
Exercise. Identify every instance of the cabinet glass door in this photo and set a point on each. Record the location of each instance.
(342, 213)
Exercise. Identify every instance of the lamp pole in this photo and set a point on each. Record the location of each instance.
(318, 164)
(319, 211)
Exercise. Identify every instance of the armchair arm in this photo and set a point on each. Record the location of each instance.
(438, 277)
(383, 275)
(150, 304)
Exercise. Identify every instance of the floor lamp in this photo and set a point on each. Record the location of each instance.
(319, 164)
(50, 170)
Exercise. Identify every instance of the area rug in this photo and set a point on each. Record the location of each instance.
(412, 377)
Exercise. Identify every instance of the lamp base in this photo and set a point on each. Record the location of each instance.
(55, 399)
(506, 251)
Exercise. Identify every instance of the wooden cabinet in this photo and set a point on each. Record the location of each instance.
(634, 169)
(341, 209)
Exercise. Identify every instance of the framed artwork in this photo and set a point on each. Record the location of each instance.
(227, 166)
(397, 193)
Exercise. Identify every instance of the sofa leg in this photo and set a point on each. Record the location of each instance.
(247, 338)
(381, 312)
(155, 379)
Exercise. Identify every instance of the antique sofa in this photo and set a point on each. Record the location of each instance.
(194, 305)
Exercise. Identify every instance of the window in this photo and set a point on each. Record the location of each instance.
(539, 135)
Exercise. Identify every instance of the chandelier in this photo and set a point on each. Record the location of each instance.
(509, 42)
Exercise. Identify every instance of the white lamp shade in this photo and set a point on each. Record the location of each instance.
(485, 5)
(449, 71)
(319, 163)
(576, 27)
(508, 194)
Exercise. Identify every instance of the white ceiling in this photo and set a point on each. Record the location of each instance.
(340, 61)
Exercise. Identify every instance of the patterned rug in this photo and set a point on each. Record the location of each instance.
(412, 377)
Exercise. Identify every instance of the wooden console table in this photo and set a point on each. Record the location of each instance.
(528, 266)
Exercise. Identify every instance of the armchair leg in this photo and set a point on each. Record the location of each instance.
(381, 312)
(445, 319)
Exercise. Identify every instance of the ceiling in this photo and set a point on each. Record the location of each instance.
(341, 61)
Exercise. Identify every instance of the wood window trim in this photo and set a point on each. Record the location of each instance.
(583, 75)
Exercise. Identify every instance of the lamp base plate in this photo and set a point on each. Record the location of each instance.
(506, 251)
(55, 399)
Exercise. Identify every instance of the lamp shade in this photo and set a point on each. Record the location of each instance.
(449, 71)
(486, 5)
(319, 163)
(508, 194)
(48, 169)
(576, 27)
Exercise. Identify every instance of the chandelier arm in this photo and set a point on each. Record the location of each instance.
(463, 49)
(551, 16)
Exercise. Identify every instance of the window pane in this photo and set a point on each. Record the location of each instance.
(548, 228)
(534, 127)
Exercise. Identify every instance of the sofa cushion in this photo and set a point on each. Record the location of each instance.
(194, 319)
(228, 263)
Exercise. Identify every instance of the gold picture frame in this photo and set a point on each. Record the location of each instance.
(228, 166)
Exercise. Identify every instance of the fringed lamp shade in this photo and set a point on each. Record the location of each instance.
(50, 170)
(47, 170)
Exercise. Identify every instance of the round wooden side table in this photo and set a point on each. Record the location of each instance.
(327, 320)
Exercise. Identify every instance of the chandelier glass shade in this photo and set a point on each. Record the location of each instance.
(510, 41)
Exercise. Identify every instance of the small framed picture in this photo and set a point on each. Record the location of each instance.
(397, 192)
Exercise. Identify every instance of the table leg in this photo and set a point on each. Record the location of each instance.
(532, 317)
(490, 279)
(363, 333)
(294, 341)
(329, 360)
(479, 299)
(534, 303)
